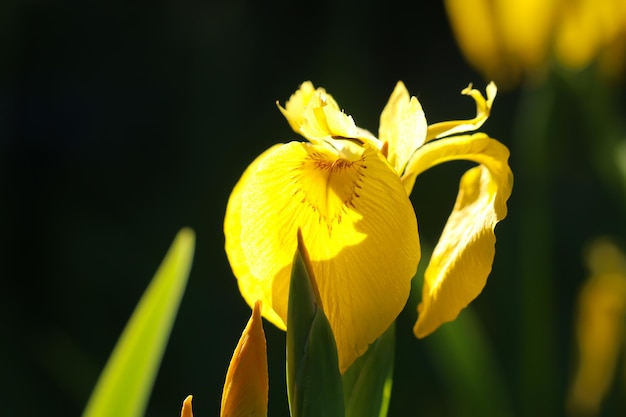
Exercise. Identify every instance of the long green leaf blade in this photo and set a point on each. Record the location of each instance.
(367, 382)
(125, 384)
(313, 378)
(300, 314)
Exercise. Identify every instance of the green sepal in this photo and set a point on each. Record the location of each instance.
(367, 382)
(314, 385)
(124, 386)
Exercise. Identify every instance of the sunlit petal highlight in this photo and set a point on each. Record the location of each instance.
(402, 126)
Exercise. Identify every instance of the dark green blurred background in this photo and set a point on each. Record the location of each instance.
(121, 122)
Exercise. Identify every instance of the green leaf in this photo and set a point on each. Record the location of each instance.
(125, 384)
(300, 314)
(314, 384)
(367, 382)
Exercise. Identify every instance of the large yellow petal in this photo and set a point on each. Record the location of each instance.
(462, 259)
(246, 386)
(454, 127)
(357, 223)
(235, 240)
(402, 126)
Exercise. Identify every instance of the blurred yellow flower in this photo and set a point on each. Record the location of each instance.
(599, 328)
(347, 190)
(505, 38)
(246, 387)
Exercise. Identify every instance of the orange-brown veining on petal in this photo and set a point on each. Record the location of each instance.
(329, 185)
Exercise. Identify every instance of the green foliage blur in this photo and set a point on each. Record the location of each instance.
(121, 122)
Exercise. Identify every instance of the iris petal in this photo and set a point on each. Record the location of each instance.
(294, 108)
(483, 109)
(462, 259)
(402, 126)
(357, 223)
(316, 115)
(235, 241)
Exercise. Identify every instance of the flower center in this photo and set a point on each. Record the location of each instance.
(329, 185)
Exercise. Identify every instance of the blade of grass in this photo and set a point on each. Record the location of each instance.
(125, 384)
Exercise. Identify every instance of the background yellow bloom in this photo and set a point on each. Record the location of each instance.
(601, 321)
(506, 38)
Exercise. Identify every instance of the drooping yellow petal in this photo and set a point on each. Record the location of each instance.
(402, 126)
(483, 109)
(187, 410)
(357, 223)
(316, 115)
(246, 387)
(462, 259)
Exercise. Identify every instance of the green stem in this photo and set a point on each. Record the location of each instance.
(533, 182)
(605, 129)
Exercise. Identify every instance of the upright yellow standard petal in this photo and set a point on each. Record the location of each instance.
(462, 259)
(357, 223)
(297, 103)
(315, 114)
(402, 126)
(246, 387)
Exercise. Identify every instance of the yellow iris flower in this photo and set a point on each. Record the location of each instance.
(348, 192)
(246, 387)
